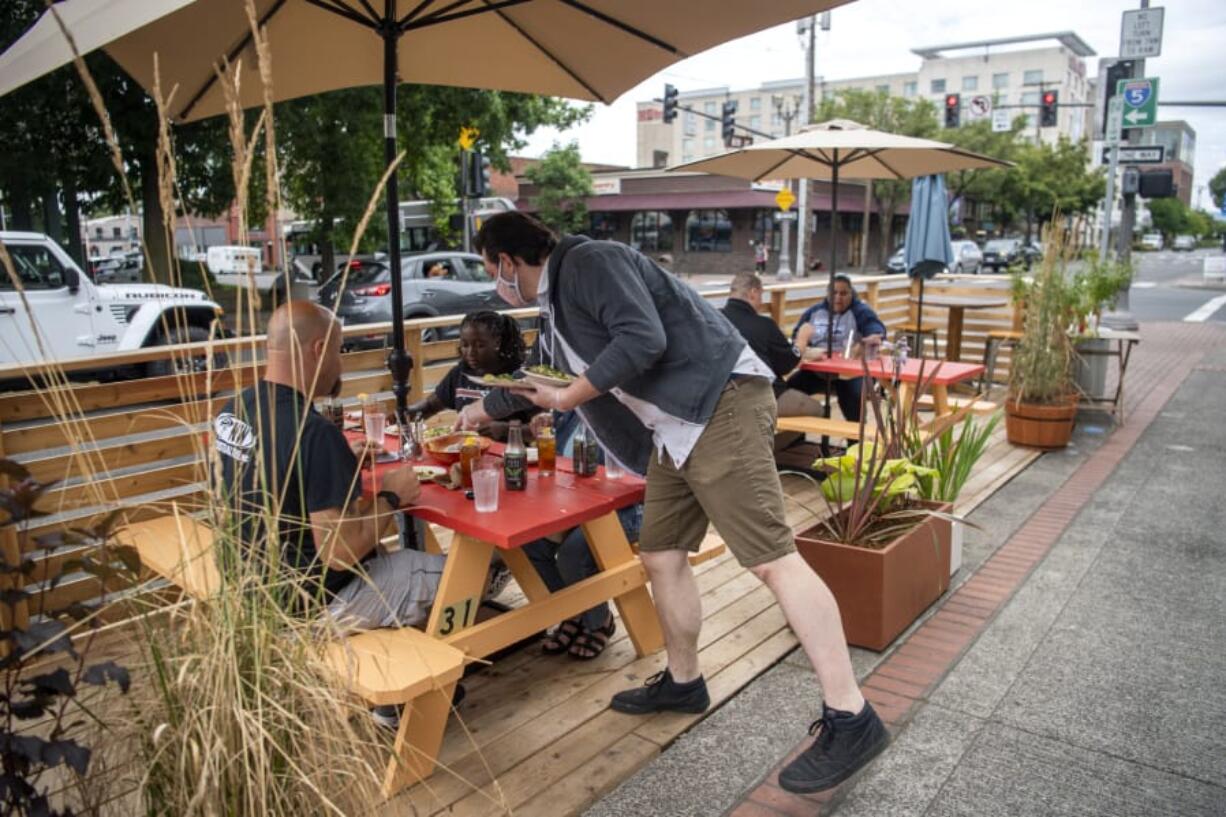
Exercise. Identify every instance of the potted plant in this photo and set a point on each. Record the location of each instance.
(1042, 401)
(882, 550)
(1097, 286)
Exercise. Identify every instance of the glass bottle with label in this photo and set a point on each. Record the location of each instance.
(586, 453)
(515, 459)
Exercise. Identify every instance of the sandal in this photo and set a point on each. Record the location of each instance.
(561, 638)
(589, 644)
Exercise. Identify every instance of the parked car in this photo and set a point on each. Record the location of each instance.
(435, 283)
(1185, 243)
(1001, 253)
(78, 318)
(895, 264)
(967, 257)
(238, 266)
(121, 268)
(1152, 241)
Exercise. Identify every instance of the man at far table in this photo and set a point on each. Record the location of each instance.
(744, 311)
(703, 434)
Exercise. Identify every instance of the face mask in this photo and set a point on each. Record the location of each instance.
(509, 290)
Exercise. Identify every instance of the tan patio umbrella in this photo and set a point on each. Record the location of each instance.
(582, 49)
(841, 147)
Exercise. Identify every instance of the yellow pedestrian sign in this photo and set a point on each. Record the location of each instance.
(785, 199)
(468, 136)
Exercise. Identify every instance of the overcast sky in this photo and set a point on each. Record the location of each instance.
(876, 37)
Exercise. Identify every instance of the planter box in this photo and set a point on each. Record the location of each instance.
(957, 534)
(1040, 425)
(1090, 366)
(880, 592)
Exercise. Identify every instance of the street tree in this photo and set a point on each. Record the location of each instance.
(1056, 178)
(892, 114)
(562, 183)
(1217, 188)
(995, 187)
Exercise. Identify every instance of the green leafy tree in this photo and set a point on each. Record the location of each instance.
(1171, 217)
(1217, 188)
(562, 183)
(996, 187)
(1055, 178)
(880, 111)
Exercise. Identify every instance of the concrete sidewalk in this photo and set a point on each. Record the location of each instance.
(1076, 669)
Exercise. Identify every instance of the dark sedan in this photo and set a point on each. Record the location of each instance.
(1002, 253)
(436, 283)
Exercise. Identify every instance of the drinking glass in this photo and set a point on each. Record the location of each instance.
(612, 468)
(546, 452)
(374, 419)
(487, 475)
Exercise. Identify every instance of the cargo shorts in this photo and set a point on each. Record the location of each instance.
(729, 480)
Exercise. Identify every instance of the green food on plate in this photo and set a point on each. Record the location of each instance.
(549, 371)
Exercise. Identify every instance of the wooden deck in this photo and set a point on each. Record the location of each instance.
(535, 735)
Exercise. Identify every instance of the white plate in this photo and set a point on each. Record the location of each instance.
(498, 384)
(425, 472)
(546, 380)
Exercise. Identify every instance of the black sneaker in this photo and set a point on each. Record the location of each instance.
(387, 716)
(845, 744)
(662, 694)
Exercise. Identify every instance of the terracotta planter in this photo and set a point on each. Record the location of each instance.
(880, 592)
(1040, 425)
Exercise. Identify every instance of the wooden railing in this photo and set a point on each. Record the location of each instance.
(138, 445)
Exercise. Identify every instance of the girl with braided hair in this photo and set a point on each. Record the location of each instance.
(490, 343)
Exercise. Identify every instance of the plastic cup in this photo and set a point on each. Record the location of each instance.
(546, 452)
(612, 468)
(486, 479)
(374, 420)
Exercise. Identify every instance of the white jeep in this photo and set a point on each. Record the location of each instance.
(72, 317)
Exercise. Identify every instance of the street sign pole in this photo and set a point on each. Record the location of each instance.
(1115, 111)
(1128, 209)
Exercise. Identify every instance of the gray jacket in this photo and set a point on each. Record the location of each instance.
(638, 328)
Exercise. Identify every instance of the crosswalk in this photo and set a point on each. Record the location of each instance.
(1205, 311)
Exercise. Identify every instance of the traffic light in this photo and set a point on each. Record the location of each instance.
(953, 110)
(1047, 110)
(729, 121)
(670, 103)
(1120, 69)
(478, 175)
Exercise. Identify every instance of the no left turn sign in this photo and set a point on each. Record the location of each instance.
(980, 106)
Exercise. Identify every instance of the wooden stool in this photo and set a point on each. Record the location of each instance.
(996, 338)
(910, 330)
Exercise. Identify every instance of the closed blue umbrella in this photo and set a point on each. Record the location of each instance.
(927, 250)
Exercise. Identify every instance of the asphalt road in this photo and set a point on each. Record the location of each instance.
(1168, 287)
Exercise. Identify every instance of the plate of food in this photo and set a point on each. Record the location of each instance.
(500, 381)
(547, 376)
(425, 473)
(446, 448)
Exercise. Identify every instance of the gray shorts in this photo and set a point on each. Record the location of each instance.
(395, 590)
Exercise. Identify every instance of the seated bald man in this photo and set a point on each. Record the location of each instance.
(275, 448)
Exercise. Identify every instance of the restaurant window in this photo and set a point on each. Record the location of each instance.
(651, 231)
(603, 226)
(765, 228)
(708, 231)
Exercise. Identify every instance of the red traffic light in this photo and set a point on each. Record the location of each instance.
(1049, 98)
(951, 101)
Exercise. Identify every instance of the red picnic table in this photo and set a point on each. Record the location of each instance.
(548, 505)
(949, 373)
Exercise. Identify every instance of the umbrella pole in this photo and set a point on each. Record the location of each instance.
(918, 338)
(399, 363)
(834, 256)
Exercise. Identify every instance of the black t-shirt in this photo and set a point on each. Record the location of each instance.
(260, 425)
(455, 391)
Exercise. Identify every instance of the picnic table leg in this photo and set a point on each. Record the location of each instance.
(953, 334)
(431, 541)
(610, 547)
(940, 399)
(525, 574)
(459, 590)
(419, 739)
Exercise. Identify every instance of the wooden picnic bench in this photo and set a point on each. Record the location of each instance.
(387, 666)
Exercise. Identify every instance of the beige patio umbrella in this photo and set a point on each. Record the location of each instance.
(582, 49)
(841, 147)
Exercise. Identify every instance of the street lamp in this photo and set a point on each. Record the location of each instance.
(787, 113)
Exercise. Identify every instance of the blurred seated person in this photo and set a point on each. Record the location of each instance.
(831, 322)
(565, 559)
(436, 270)
(768, 342)
(490, 343)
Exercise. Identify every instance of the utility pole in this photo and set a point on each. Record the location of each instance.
(1128, 205)
(808, 31)
(787, 114)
